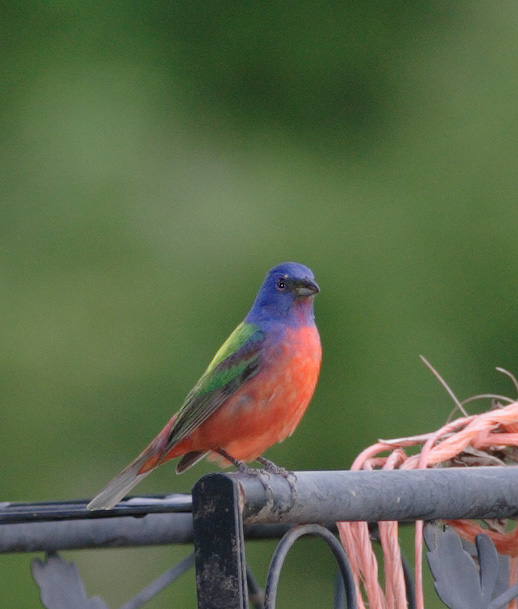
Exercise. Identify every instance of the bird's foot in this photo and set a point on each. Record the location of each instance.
(262, 475)
(243, 468)
(271, 468)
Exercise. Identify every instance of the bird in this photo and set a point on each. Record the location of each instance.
(252, 395)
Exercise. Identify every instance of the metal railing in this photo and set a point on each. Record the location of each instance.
(227, 510)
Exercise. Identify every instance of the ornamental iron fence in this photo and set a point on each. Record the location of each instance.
(227, 510)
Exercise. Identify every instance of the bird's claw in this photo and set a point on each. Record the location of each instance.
(243, 468)
(271, 468)
(260, 474)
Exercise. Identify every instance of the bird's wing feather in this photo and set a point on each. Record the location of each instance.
(237, 360)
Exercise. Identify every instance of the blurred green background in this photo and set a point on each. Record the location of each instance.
(156, 160)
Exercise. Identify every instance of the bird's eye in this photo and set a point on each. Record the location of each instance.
(281, 284)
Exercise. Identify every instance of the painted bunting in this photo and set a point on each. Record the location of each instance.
(252, 395)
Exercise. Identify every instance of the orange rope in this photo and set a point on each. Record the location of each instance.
(486, 439)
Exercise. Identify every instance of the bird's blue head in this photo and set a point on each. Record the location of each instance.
(286, 295)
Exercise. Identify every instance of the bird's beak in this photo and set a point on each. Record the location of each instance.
(307, 287)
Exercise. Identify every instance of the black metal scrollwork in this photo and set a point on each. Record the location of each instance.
(61, 586)
(284, 546)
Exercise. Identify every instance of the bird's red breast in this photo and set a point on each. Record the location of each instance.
(268, 407)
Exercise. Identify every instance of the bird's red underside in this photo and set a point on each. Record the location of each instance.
(264, 411)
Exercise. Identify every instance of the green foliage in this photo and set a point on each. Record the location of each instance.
(158, 158)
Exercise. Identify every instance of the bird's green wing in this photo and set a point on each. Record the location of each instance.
(237, 360)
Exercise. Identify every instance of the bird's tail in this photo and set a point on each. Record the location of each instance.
(120, 486)
(131, 475)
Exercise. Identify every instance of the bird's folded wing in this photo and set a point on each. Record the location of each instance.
(237, 360)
